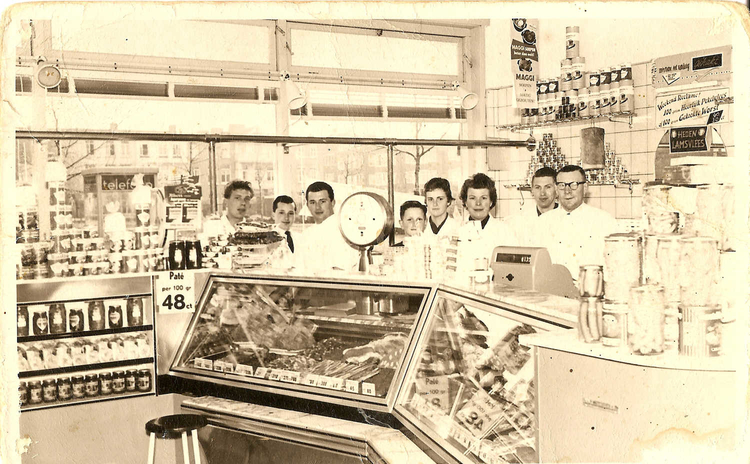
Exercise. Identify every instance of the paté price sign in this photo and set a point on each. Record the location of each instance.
(175, 292)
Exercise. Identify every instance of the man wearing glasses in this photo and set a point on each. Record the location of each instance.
(576, 230)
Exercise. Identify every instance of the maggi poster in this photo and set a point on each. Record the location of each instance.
(524, 61)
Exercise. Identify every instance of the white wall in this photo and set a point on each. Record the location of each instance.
(605, 42)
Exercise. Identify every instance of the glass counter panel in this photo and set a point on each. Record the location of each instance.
(470, 386)
(331, 337)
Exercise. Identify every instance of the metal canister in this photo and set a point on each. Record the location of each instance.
(583, 103)
(595, 102)
(605, 78)
(566, 77)
(626, 73)
(573, 103)
(627, 95)
(700, 331)
(614, 324)
(622, 265)
(591, 281)
(593, 79)
(572, 38)
(578, 72)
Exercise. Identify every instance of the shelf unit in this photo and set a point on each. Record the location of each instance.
(614, 117)
(73, 291)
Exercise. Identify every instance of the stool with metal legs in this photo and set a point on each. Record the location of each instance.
(176, 426)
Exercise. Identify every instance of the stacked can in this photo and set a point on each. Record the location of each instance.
(627, 94)
(553, 91)
(591, 307)
(566, 75)
(605, 78)
(548, 154)
(594, 99)
(572, 40)
(614, 89)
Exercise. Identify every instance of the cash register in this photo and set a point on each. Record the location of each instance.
(531, 268)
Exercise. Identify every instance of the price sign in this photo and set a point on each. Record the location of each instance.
(289, 376)
(312, 380)
(228, 367)
(219, 366)
(275, 374)
(351, 386)
(479, 413)
(368, 388)
(435, 391)
(244, 370)
(261, 372)
(336, 383)
(175, 291)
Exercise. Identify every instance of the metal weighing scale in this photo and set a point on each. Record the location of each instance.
(365, 219)
(532, 269)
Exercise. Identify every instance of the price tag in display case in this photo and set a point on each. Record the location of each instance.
(244, 370)
(289, 376)
(219, 366)
(336, 383)
(352, 386)
(368, 388)
(175, 292)
(312, 380)
(228, 367)
(275, 374)
(479, 413)
(261, 372)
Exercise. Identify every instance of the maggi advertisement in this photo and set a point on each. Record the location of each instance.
(524, 61)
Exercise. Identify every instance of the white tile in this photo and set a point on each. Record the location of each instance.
(594, 201)
(564, 131)
(641, 98)
(575, 148)
(636, 210)
(595, 191)
(608, 191)
(726, 132)
(639, 141)
(501, 97)
(639, 164)
(641, 74)
(608, 205)
(622, 142)
(640, 122)
(623, 192)
(504, 208)
(623, 208)
(566, 146)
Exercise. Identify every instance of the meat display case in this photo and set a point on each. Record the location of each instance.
(445, 362)
(339, 341)
(469, 391)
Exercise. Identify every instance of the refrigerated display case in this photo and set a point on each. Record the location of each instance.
(339, 341)
(469, 390)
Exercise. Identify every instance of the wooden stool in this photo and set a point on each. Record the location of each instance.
(176, 426)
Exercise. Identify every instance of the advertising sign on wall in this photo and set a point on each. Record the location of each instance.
(691, 108)
(524, 61)
(713, 64)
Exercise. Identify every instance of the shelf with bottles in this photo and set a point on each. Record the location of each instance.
(628, 184)
(106, 382)
(612, 117)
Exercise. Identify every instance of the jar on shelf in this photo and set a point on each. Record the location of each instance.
(40, 321)
(700, 331)
(134, 309)
(131, 382)
(79, 386)
(699, 268)
(646, 320)
(614, 324)
(22, 321)
(92, 385)
(118, 381)
(64, 389)
(114, 315)
(49, 391)
(144, 380)
(105, 383)
(668, 257)
(76, 319)
(622, 265)
(23, 394)
(35, 392)
(57, 318)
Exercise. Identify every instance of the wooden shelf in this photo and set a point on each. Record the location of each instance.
(84, 367)
(90, 333)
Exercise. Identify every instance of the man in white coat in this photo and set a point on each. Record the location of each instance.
(323, 245)
(526, 222)
(482, 233)
(575, 231)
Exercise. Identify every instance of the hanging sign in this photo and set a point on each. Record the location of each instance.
(524, 61)
(688, 139)
(691, 108)
(183, 205)
(713, 64)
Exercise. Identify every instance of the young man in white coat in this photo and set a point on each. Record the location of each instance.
(438, 198)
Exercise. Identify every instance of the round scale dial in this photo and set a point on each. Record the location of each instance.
(365, 219)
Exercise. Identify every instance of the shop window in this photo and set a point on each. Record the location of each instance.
(196, 172)
(176, 151)
(111, 149)
(112, 87)
(224, 177)
(144, 150)
(215, 91)
(271, 94)
(90, 148)
(63, 87)
(23, 84)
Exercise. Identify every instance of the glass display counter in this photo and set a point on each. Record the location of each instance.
(337, 341)
(469, 392)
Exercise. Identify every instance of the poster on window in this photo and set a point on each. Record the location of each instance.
(524, 61)
(183, 205)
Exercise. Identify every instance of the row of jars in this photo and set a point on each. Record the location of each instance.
(56, 318)
(84, 386)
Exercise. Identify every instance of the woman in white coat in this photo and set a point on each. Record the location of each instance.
(438, 198)
(482, 233)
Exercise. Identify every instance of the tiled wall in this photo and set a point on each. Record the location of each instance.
(636, 146)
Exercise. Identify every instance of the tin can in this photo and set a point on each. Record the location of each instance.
(49, 391)
(35, 392)
(105, 383)
(627, 95)
(131, 383)
(578, 70)
(92, 385)
(614, 324)
(593, 79)
(64, 389)
(134, 308)
(591, 281)
(23, 394)
(614, 99)
(626, 73)
(118, 381)
(572, 37)
(573, 104)
(144, 380)
(583, 103)
(604, 106)
(605, 78)
(79, 386)
(700, 331)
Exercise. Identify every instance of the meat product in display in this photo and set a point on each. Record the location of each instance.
(385, 351)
